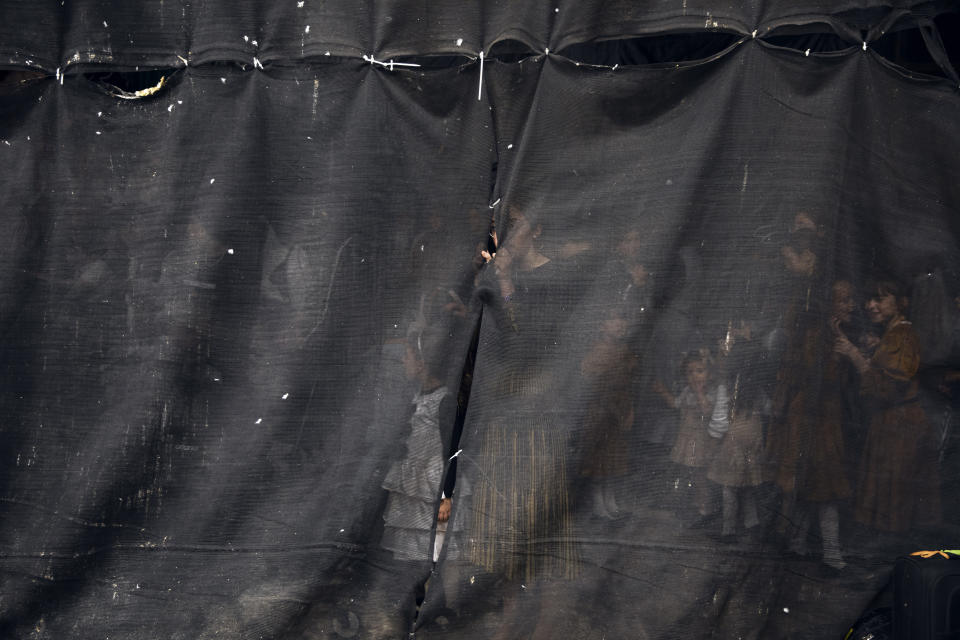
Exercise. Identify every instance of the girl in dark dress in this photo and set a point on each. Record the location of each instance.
(521, 508)
(898, 484)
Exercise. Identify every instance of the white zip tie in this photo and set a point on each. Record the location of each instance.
(480, 87)
(184, 61)
(459, 451)
(58, 76)
(864, 45)
(388, 65)
(495, 203)
(256, 63)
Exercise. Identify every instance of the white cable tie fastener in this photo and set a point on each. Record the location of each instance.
(388, 65)
(807, 53)
(754, 34)
(864, 45)
(256, 63)
(494, 204)
(459, 451)
(480, 87)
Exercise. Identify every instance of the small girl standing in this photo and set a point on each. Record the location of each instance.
(703, 421)
(413, 481)
(738, 464)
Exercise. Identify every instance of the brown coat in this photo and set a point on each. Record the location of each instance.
(807, 442)
(898, 477)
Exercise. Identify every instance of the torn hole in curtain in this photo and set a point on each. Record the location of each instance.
(133, 85)
(432, 604)
(811, 38)
(463, 401)
(663, 49)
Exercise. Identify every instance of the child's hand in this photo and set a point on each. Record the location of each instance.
(455, 306)
(843, 346)
(443, 513)
(660, 389)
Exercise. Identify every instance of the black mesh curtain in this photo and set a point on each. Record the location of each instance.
(507, 320)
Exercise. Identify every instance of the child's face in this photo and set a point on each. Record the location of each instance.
(630, 245)
(882, 308)
(614, 327)
(801, 262)
(697, 374)
(639, 274)
(843, 303)
(521, 233)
